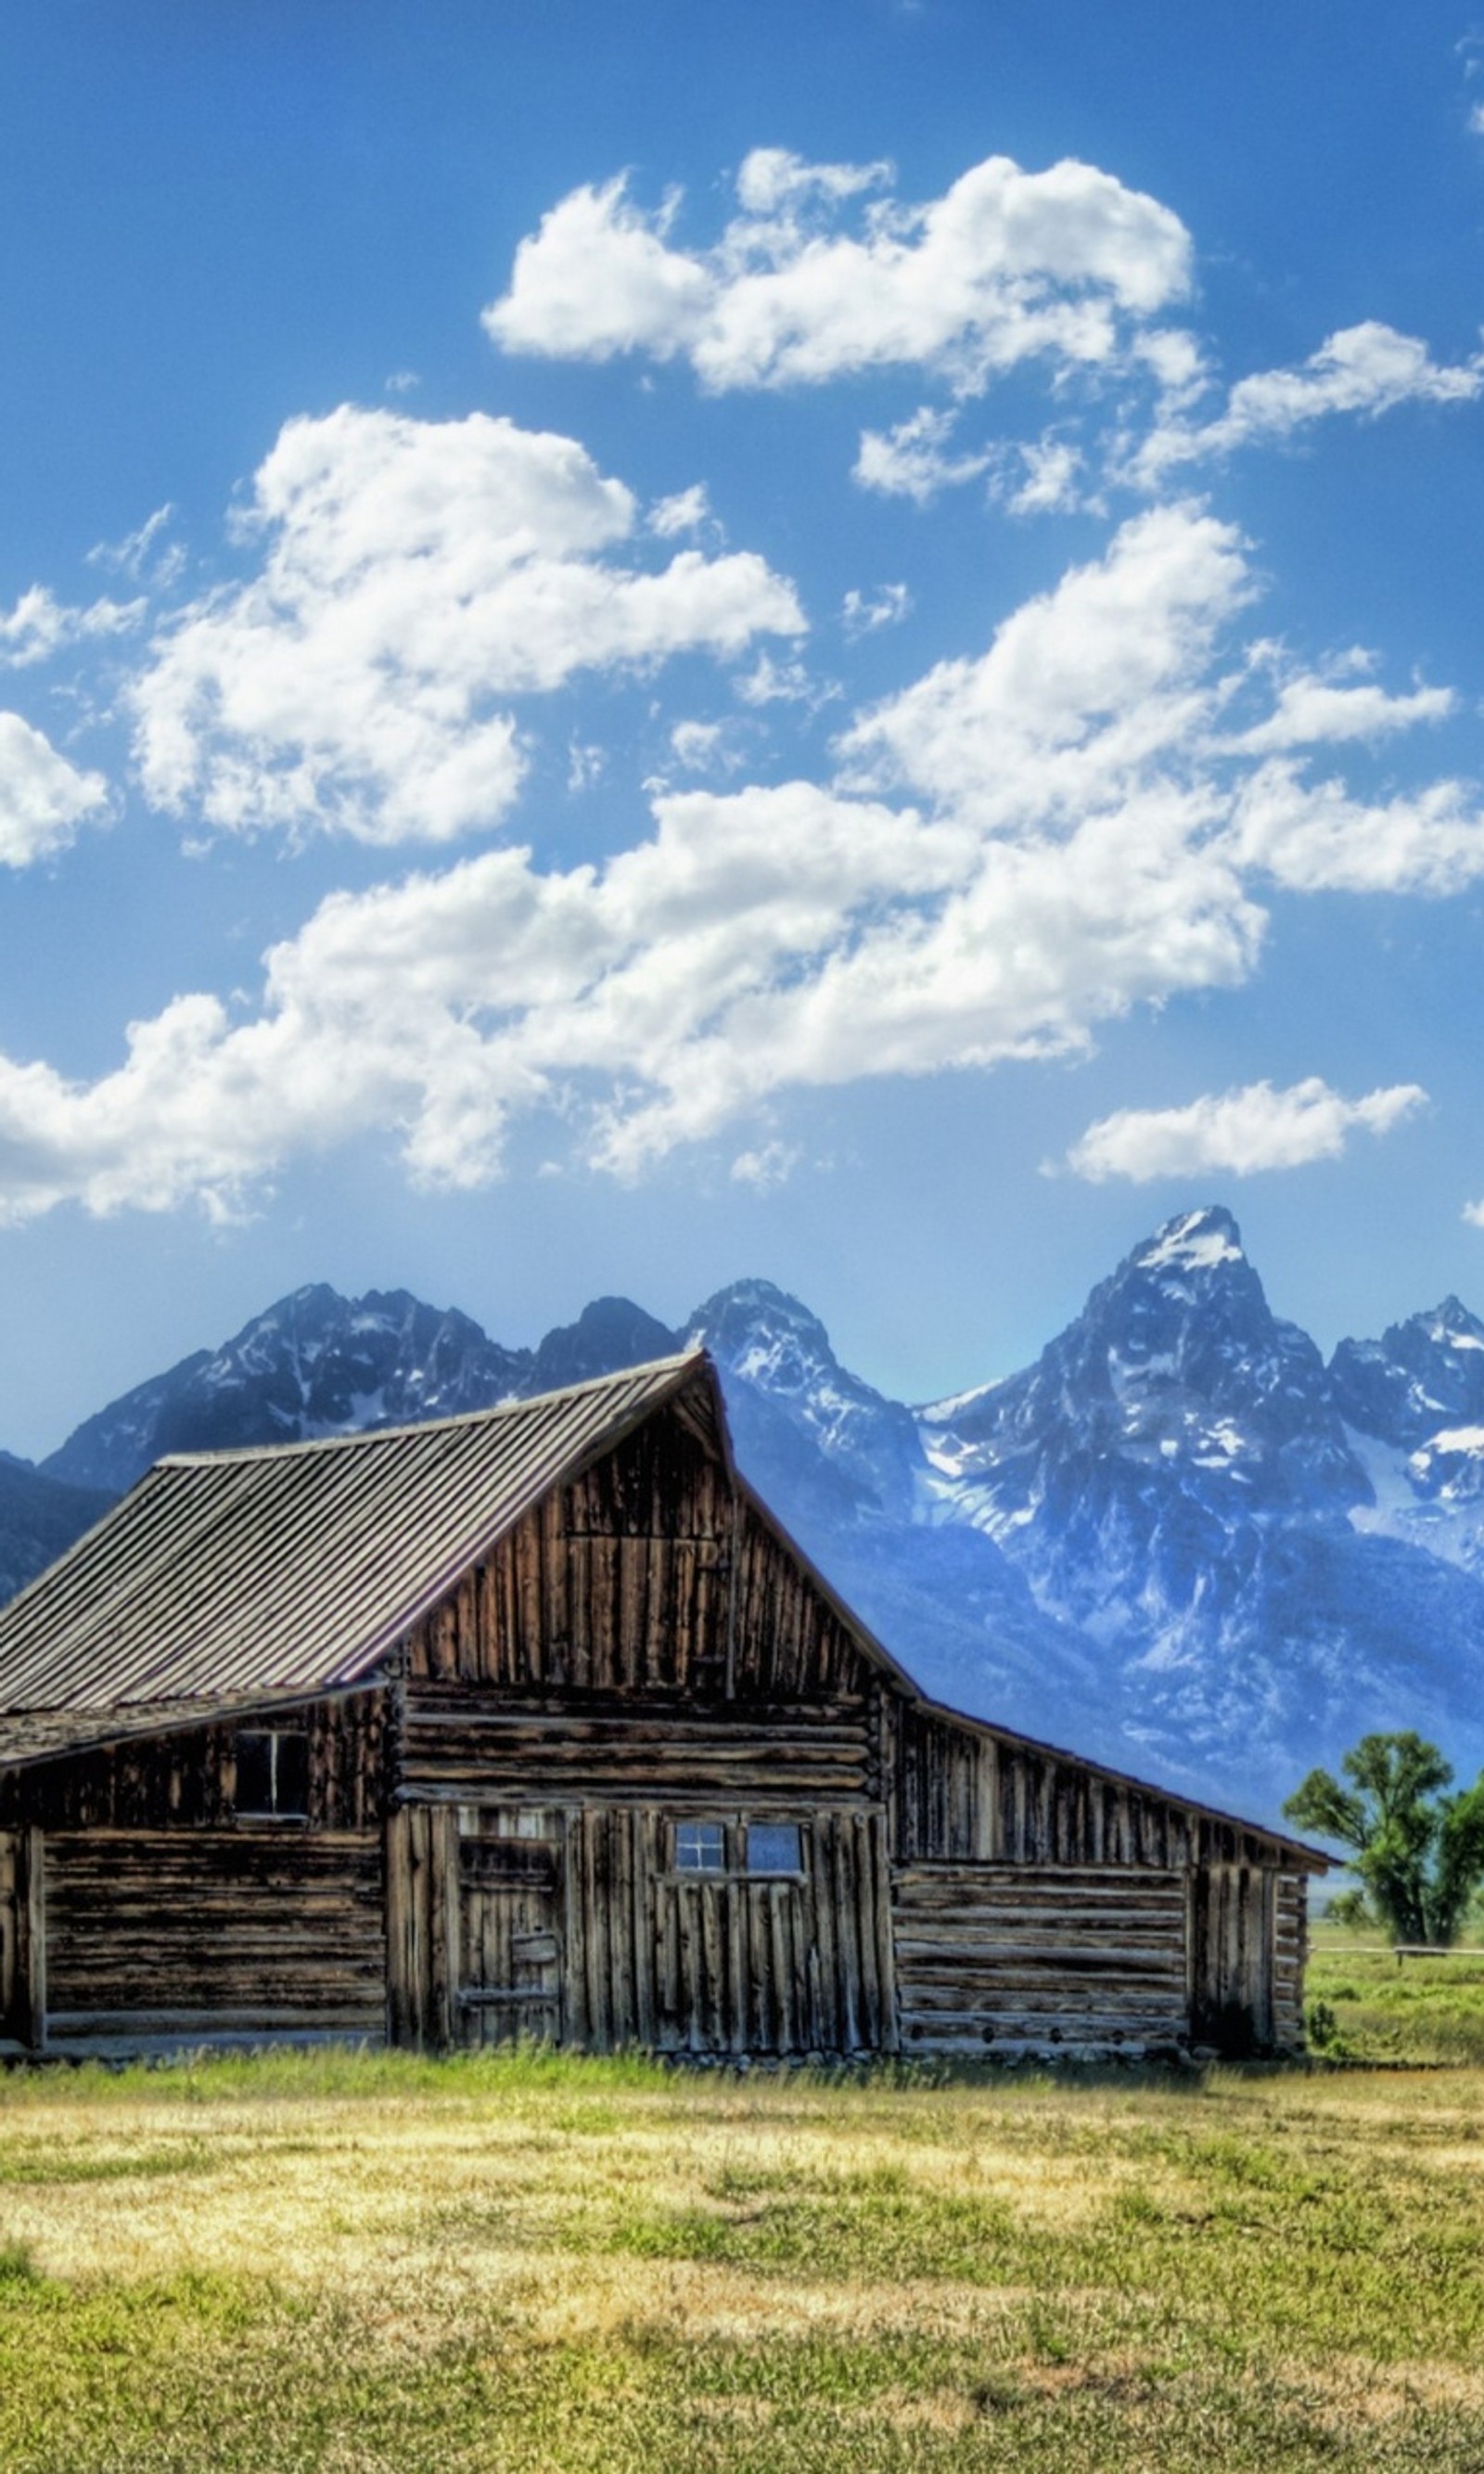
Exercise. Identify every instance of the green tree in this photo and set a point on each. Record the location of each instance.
(1418, 1851)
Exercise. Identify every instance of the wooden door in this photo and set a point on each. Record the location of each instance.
(1231, 1947)
(510, 1930)
(738, 1971)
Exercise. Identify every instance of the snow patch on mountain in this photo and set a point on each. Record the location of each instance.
(1197, 1242)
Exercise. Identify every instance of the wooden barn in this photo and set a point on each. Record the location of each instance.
(536, 1723)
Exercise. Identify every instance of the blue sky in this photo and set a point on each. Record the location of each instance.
(642, 645)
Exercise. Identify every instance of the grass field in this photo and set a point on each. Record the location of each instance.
(1420, 2009)
(530, 2262)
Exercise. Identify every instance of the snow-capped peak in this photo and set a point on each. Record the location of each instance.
(1451, 1325)
(1198, 1241)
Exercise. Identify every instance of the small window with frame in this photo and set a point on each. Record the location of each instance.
(700, 1847)
(272, 1773)
(775, 1847)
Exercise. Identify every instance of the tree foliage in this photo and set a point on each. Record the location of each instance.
(1418, 1851)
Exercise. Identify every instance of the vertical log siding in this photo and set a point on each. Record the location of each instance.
(648, 1575)
(23, 1940)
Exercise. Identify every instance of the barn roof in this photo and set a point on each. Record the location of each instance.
(297, 1568)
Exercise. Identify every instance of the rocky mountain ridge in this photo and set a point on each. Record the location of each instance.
(1179, 1539)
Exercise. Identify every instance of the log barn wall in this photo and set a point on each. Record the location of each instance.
(177, 1934)
(642, 1648)
(648, 1574)
(574, 1924)
(983, 1820)
(1290, 1958)
(23, 1940)
(169, 1916)
(1009, 1958)
(968, 1791)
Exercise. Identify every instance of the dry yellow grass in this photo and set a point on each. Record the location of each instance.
(528, 2263)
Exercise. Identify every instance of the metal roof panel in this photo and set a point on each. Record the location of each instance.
(296, 1567)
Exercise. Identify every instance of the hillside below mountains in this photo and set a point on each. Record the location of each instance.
(1180, 1542)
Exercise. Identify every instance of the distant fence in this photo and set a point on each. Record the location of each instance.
(1400, 1950)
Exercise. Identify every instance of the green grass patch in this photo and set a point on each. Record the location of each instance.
(1385, 2010)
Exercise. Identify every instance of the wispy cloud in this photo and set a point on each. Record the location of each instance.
(684, 511)
(1039, 477)
(1364, 371)
(148, 555)
(1237, 1133)
(864, 613)
(912, 460)
(40, 626)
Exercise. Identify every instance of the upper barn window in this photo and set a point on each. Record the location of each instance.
(272, 1773)
(775, 1847)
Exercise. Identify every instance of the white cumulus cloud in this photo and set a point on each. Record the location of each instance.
(1236, 1133)
(1311, 711)
(1008, 265)
(1083, 690)
(1316, 837)
(415, 578)
(43, 799)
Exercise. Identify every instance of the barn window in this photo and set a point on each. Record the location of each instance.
(272, 1773)
(700, 1847)
(775, 1847)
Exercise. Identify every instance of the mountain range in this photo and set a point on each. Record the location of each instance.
(1180, 1542)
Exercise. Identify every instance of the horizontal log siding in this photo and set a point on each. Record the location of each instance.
(727, 1965)
(647, 1575)
(257, 1930)
(1018, 1959)
(1290, 1957)
(460, 1745)
(189, 1779)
